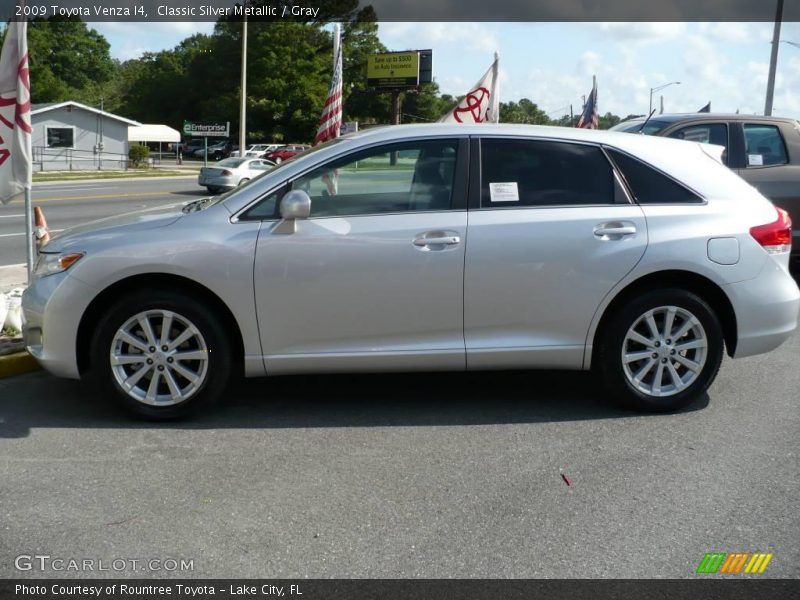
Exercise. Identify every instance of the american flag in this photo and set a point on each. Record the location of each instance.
(590, 119)
(331, 121)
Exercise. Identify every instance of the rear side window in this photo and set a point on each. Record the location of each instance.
(764, 146)
(648, 185)
(518, 173)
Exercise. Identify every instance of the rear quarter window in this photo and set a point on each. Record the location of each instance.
(648, 185)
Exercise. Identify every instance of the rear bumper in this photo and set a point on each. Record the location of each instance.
(766, 310)
(223, 182)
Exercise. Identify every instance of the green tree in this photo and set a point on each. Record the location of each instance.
(523, 111)
(68, 61)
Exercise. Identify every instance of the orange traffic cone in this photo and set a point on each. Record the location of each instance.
(42, 233)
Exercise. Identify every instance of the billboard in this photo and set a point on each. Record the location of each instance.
(393, 69)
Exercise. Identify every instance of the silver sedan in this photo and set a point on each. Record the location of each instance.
(428, 247)
(231, 172)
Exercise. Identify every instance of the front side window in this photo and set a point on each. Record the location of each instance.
(764, 145)
(60, 137)
(403, 177)
(518, 173)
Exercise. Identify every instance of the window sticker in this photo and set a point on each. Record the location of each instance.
(755, 160)
(504, 192)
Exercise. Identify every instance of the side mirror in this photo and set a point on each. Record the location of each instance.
(294, 205)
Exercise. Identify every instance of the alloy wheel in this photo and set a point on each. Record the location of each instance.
(664, 351)
(159, 358)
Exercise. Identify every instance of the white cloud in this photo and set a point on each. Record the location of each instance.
(470, 36)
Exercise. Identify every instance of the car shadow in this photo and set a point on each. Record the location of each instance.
(391, 400)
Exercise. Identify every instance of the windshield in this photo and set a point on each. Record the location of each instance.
(289, 161)
(653, 126)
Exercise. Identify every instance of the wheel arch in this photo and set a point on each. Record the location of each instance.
(700, 285)
(160, 281)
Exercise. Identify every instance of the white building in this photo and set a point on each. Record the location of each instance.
(72, 136)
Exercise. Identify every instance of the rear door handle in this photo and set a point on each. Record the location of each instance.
(450, 240)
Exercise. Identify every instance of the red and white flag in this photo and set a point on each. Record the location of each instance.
(15, 114)
(482, 102)
(331, 122)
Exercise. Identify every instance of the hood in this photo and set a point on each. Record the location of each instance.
(139, 220)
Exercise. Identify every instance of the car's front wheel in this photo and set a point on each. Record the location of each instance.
(160, 354)
(661, 350)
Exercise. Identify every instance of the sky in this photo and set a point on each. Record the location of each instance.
(552, 63)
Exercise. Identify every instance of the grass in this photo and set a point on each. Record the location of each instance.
(73, 175)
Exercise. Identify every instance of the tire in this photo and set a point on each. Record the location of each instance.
(199, 381)
(278, 160)
(244, 180)
(687, 366)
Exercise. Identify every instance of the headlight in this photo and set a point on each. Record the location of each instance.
(50, 264)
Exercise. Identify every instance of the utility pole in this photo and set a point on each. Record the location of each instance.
(243, 101)
(395, 107)
(773, 59)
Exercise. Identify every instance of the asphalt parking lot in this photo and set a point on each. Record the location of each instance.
(436, 475)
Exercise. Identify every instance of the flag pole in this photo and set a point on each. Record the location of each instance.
(29, 251)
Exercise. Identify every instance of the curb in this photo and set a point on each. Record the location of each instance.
(17, 364)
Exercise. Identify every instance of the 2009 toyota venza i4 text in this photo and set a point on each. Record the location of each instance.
(433, 247)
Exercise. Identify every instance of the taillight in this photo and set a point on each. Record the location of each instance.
(775, 237)
(226, 173)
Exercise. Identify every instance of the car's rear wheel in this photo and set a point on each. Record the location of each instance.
(160, 355)
(661, 350)
(278, 160)
(243, 180)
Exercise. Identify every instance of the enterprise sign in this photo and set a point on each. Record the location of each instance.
(206, 129)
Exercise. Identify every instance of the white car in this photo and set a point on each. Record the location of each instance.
(255, 150)
(231, 172)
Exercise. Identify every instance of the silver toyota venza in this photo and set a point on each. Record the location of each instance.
(428, 248)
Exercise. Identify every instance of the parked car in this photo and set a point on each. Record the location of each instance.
(261, 152)
(258, 148)
(286, 152)
(764, 151)
(231, 172)
(217, 151)
(190, 147)
(645, 268)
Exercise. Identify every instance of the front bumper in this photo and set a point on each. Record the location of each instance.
(51, 311)
(766, 309)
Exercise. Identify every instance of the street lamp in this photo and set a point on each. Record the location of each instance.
(656, 89)
(795, 44)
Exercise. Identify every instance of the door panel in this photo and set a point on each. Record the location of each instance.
(360, 291)
(534, 278)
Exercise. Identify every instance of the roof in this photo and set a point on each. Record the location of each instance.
(677, 117)
(153, 133)
(37, 109)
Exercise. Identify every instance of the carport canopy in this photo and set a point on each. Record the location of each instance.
(153, 133)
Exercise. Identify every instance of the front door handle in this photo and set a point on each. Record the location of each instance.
(448, 240)
(614, 231)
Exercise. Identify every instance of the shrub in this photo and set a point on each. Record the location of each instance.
(138, 155)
